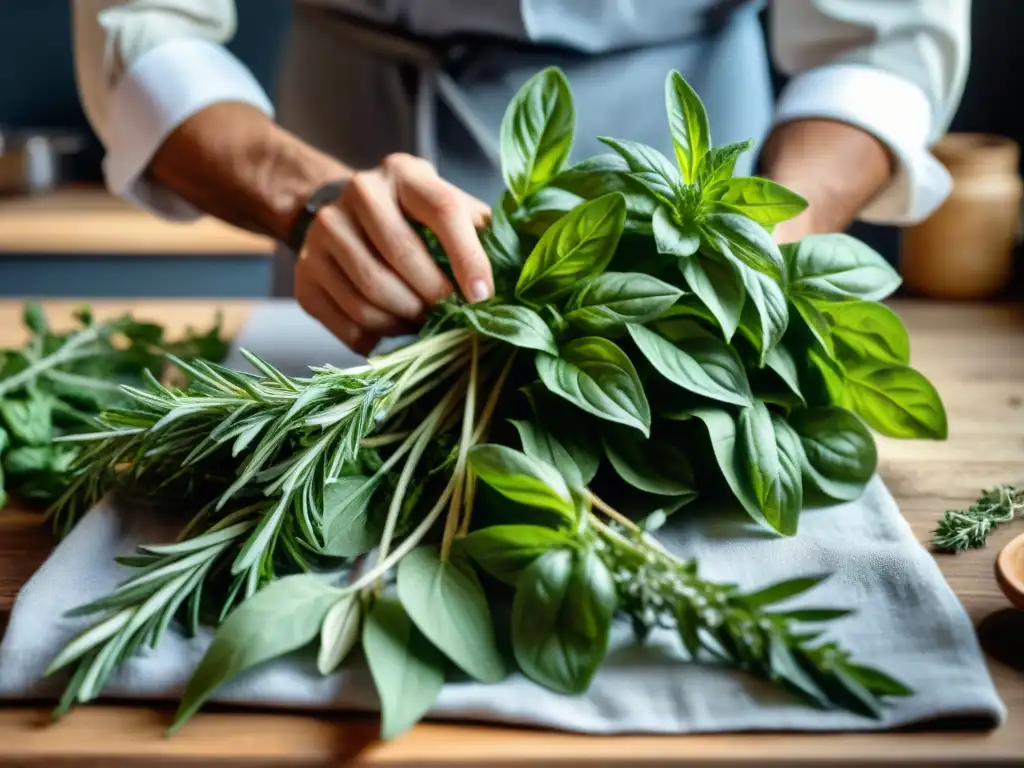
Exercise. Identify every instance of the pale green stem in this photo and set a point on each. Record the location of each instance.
(467, 514)
(465, 443)
(613, 513)
(65, 354)
(453, 365)
(378, 441)
(422, 347)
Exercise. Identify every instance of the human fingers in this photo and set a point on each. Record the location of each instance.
(318, 303)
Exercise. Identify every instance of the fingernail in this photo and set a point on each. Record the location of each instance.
(479, 290)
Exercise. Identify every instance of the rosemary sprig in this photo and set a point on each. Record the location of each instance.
(961, 529)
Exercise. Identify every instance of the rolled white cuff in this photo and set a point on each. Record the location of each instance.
(162, 89)
(894, 110)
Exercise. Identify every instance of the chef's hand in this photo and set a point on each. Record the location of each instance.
(364, 273)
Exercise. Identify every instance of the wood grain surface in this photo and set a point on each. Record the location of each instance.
(88, 220)
(975, 357)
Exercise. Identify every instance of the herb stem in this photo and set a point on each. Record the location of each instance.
(452, 523)
(378, 441)
(65, 354)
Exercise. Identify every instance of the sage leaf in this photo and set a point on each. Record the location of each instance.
(866, 330)
(609, 301)
(702, 365)
(282, 617)
(520, 478)
(838, 266)
(896, 401)
(746, 242)
(597, 377)
(407, 670)
(688, 123)
(505, 551)
(513, 324)
(579, 245)
(339, 633)
(597, 176)
(536, 132)
(649, 167)
(345, 523)
(719, 286)
(760, 200)
(719, 163)
(652, 466)
(839, 451)
(672, 237)
(561, 619)
(445, 601)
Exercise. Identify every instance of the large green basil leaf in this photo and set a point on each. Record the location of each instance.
(447, 604)
(598, 377)
(282, 617)
(542, 209)
(769, 300)
(501, 244)
(760, 200)
(577, 437)
(561, 619)
(505, 551)
(579, 245)
(772, 459)
(816, 321)
(601, 174)
(511, 323)
(407, 670)
(688, 123)
(719, 163)
(780, 360)
(609, 301)
(523, 479)
(673, 238)
(649, 167)
(651, 466)
(705, 366)
(839, 451)
(719, 286)
(867, 330)
(536, 132)
(838, 266)
(747, 242)
(575, 461)
(896, 401)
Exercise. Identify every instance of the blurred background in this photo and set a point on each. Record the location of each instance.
(78, 242)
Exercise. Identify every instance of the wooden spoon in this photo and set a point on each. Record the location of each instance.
(1010, 571)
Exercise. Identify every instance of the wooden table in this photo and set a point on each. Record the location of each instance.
(973, 354)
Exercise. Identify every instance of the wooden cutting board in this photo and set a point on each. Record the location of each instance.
(975, 357)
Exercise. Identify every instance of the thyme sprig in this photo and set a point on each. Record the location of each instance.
(961, 529)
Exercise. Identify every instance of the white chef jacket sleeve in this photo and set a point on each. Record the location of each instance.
(895, 68)
(142, 68)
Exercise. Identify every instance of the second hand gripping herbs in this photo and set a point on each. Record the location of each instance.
(649, 347)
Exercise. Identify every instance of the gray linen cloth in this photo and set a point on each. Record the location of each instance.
(908, 622)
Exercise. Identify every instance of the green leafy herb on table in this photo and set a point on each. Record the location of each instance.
(650, 346)
(57, 383)
(969, 528)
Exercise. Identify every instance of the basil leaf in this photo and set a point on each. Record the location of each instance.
(702, 365)
(520, 478)
(447, 604)
(282, 617)
(5, 440)
(577, 246)
(769, 301)
(688, 123)
(649, 167)
(542, 209)
(719, 286)
(866, 330)
(840, 455)
(596, 376)
(29, 421)
(719, 163)
(501, 244)
(505, 551)
(772, 458)
(601, 174)
(339, 633)
(536, 132)
(561, 619)
(610, 301)
(781, 361)
(654, 467)
(345, 524)
(760, 200)
(673, 238)
(837, 266)
(407, 670)
(896, 401)
(28, 459)
(817, 323)
(512, 323)
(539, 443)
(747, 242)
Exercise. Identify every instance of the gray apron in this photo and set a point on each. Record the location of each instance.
(356, 87)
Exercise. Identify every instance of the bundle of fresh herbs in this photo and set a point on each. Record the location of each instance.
(649, 343)
(57, 383)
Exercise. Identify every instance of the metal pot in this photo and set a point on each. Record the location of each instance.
(34, 162)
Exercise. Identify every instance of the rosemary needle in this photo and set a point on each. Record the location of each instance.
(969, 528)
